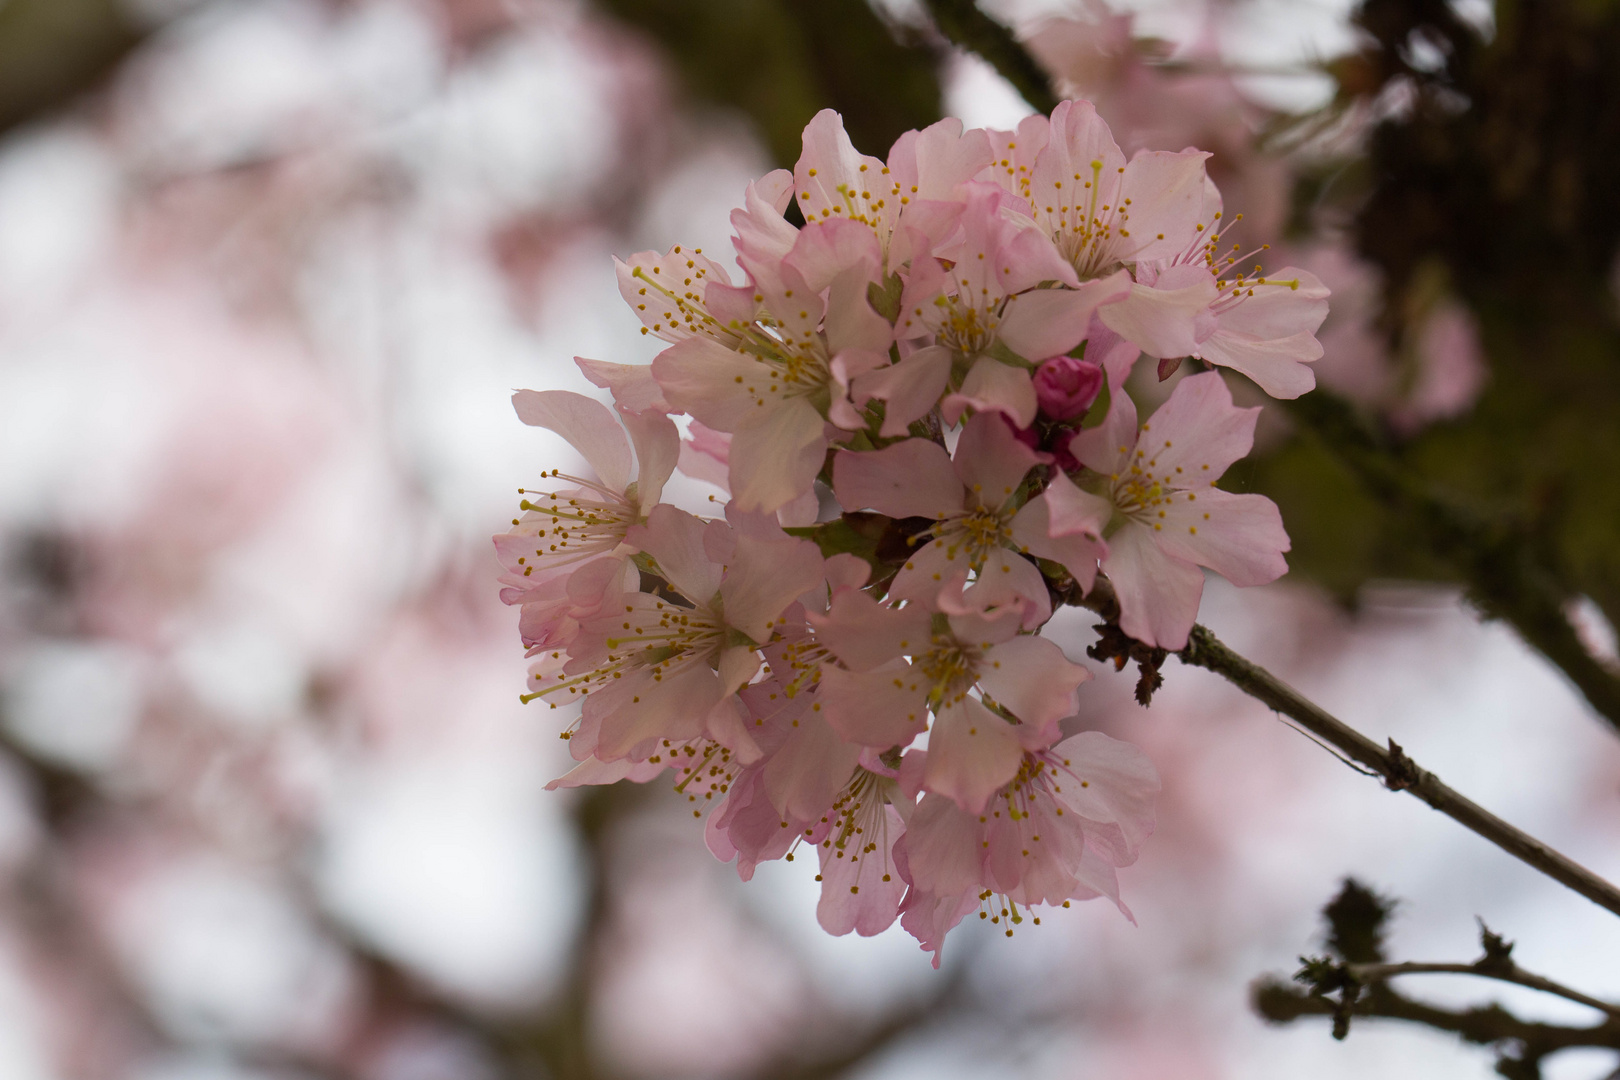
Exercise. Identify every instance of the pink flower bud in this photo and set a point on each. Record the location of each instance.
(1066, 387)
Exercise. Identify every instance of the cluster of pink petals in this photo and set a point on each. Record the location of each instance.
(929, 347)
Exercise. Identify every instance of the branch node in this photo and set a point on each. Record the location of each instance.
(1403, 771)
(1113, 644)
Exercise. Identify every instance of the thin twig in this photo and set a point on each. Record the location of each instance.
(1501, 971)
(1483, 1025)
(1400, 772)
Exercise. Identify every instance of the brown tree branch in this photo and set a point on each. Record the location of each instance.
(1487, 1025)
(1506, 971)
(1399, 772)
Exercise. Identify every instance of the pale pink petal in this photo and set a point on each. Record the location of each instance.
(1112, 353)
(1077, 550)
(1015, 152)
(592, 771)
(800, 512)
(1166, 190)
(760, 230)
(658, 448)
(1049, 322)
(1030, 858)
(971, 753)
(931, 567)
(919, 315)
(1078, 145)
(674, 539)
(1279, 305)
(1197, 433)
(634, 714)
(706, 456)
(632, 385)
(1031, 676)
(1026, 258)
(1112, 781)
(699, 376)
(649, 282)
(1107, 448)
(928, 917)
(776, 460)
(846, 571)
(991, 461)
(865, 634)
(828, 178)
(850, 322)
(1279, 366)
(588, 425)
(1240, 537)
(1163, 319)
(860, 889)
(938, 159)
(1008, 581)
(911, 478)
(993, 386)
(824, 250)
(738, 664)
(1158, 595)
(944, 847)
(908, 389)
(1095, 876)
(1071, 511)
(806, 774)
(728, 723)
(764, 577)
(884, 707)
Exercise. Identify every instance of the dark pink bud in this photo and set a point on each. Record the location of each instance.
(1066, 387)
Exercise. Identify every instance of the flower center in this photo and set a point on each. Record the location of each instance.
(650, 636)
(950, 668)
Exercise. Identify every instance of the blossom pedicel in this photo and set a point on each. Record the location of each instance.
(870, 680)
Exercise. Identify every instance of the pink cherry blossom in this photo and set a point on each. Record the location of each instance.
(879, 700)
(569, 546)
(706, 456)
(986, 306)
(650, 669)
(773, 365)
(1263, 325)
(909, 203)
(1169, 517)
(980, 525)
(1103, 212)
(1057, 831)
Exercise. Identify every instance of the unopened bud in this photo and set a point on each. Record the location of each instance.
(1066, 387)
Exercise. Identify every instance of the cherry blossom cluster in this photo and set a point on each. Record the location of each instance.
(916, 403)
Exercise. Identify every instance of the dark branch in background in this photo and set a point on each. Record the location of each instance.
(1353, 982)
(966, 27)
(1495, 556)
(1399, 772)
(53, 50)
(780, 61)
